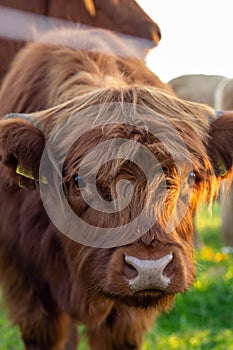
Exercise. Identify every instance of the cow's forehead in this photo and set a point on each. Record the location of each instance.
(113, 145)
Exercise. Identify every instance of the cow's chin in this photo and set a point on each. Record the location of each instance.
(145, 300)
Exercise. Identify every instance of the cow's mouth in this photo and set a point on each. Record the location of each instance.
(145, 299)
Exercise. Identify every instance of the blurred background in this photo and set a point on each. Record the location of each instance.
(196, 37)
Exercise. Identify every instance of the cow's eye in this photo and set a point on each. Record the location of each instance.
(79, 182)
(191, 177)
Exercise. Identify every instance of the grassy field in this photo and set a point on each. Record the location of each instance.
(202, 318)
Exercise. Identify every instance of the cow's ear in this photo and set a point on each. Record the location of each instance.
(220, 145)
(21, 148)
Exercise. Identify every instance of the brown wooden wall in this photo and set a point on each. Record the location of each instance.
(125, 16)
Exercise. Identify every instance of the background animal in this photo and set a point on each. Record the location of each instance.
(216, 91)
(50, 281)
(124, 16)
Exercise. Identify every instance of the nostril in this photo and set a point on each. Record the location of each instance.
(170, 268)
(129, 270)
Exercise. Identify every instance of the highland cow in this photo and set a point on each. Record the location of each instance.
(102, 169)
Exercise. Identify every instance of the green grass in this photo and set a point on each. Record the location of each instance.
(201, 319)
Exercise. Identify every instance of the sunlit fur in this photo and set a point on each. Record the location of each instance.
(49, 281)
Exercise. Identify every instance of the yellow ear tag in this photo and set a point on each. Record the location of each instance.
(23, 172)
(44, 180)
(26, 183)
(222, 168)
(28, 174)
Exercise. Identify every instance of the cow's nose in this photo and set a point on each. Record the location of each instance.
(147, 274)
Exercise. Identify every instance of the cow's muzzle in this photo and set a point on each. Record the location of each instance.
(148, 274)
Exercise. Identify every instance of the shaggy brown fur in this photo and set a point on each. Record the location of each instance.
(49, 281)
(216, 91)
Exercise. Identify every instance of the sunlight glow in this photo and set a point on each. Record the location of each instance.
(196, 37)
